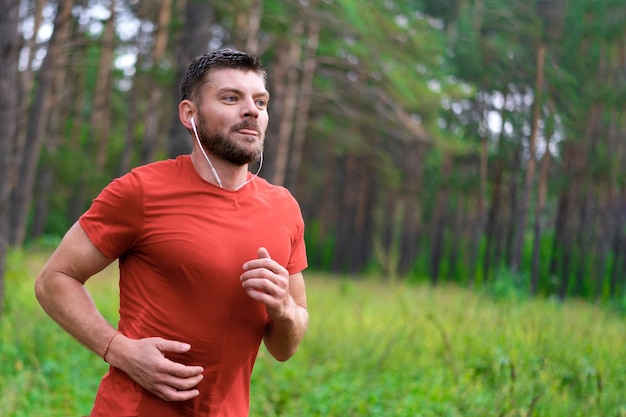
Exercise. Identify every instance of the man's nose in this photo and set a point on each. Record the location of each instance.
(250, 109)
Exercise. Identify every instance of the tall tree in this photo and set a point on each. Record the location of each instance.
(155, 108)
(36, 130)
(101, 111)
(305, 93)
(27, 76)
(193, 40)
(540, 206)
(366, 119)
(285, 90)
(531, 162)
(551, 13)
(9, 79)
(371, 85)
(248, 17)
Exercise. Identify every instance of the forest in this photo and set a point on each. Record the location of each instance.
(475, 142)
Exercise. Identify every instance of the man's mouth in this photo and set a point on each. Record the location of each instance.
(248, 132)
(247, 128)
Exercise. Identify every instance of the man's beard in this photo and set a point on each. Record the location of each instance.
(223, 147)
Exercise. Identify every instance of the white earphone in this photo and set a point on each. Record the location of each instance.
(215, 174)
(195, 131)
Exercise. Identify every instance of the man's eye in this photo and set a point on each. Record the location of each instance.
(230, 98)
(261, 103)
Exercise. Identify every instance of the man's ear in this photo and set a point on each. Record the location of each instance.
(186, 110)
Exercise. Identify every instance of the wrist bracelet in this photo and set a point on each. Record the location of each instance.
(108, 345)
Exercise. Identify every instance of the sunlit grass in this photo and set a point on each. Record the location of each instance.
(376, 349)
(44, 372)
(373, 349)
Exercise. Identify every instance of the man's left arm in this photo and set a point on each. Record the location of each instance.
(284, 297)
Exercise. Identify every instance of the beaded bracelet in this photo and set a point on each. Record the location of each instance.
(108, 345)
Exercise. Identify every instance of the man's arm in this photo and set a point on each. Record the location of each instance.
(284, 334)
(60, 290)
(284, 296)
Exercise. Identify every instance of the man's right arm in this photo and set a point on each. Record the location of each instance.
(61, 292)
(60, 289)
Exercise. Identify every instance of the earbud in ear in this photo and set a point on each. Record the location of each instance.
(193, 123)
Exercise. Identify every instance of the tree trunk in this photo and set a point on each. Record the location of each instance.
(285, 92)
(492, 220)
(45, 183)
(68, 92)
(360, 247)
(100, 116)
(617, 204)
(581, 241)
(26, 85)
(9, 79)
(438, 222)
(305, 96)
(76, 89)
(462, 235)
(45, 179)
(154, 107)
(565, 235)
(198, 19)
(509, 226)
(354, 233)
(561, 221)
(346, 214)
(126, 157)
(36, 130)
(386, 247)
(492, 229)
(479, 224)
(476, 228)
(413, 166)
(518, 243)
(248, 23)
(539, 212)
(586, 200)
(618, 245)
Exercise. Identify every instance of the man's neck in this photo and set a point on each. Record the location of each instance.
(219, 172)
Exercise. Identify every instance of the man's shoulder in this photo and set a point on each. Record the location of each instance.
(166, 167)
(279, 198)
(273, 190)
(155, 177)
(159, 172)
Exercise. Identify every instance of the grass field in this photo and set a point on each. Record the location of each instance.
(373, 349)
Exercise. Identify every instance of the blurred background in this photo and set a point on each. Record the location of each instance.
(478, 142)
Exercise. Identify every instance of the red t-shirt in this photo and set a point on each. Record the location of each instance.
(181, 244)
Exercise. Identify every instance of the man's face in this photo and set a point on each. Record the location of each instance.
(233, 115)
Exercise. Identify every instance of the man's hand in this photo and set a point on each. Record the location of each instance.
(145, 362)
(284, 296)
(266, 281)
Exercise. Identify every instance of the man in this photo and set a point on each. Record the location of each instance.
(210, 259)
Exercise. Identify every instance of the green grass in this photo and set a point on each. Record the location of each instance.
(373, 349)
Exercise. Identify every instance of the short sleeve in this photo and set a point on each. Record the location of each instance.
(115, 219)
(298, 259)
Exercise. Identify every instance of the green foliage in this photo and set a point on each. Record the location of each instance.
(320, 247)
(43, 371)
(382, 350)
(372, 350)
(508, 285)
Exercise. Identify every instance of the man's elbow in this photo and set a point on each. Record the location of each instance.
(283, 355)
(41, 283)
(46, 287)
(284, 349)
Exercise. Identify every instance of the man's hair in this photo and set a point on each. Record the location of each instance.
(192, 82)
